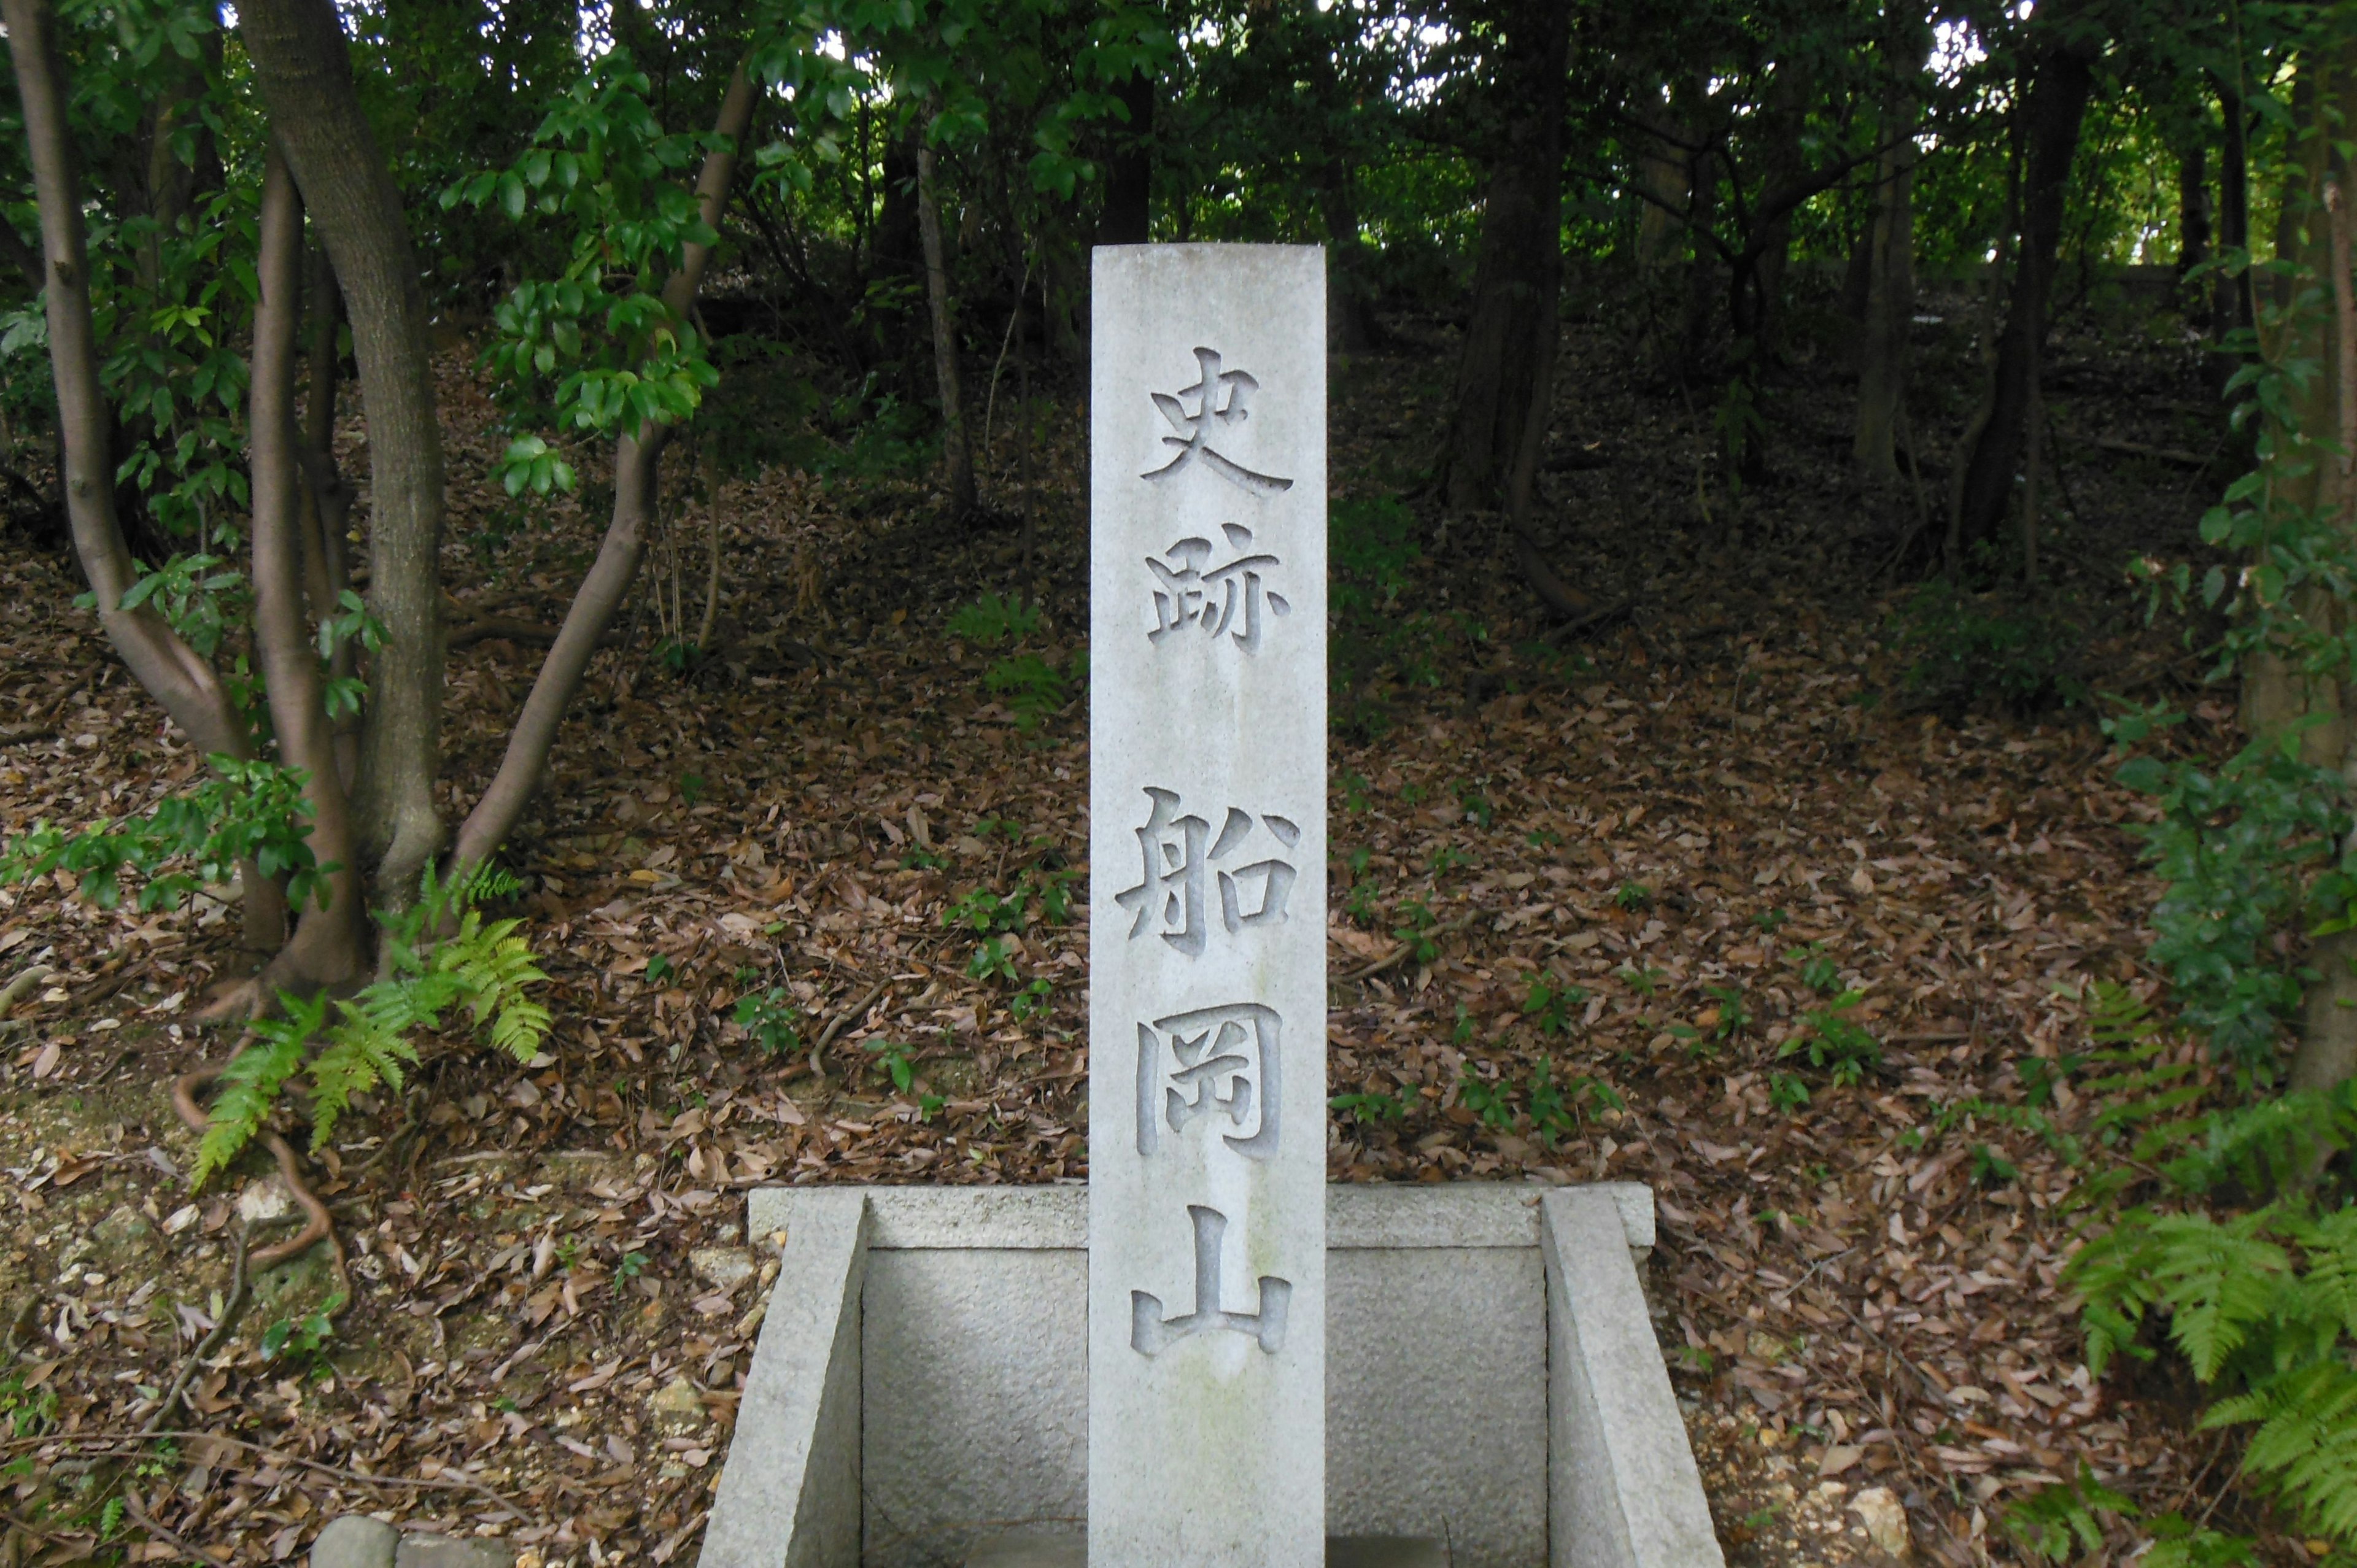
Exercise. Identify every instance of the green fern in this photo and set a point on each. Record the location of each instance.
(485, 968)
(252, 1082)
(2056, 1521)
(359, 1056)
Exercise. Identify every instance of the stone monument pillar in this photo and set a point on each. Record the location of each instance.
(1207, 928)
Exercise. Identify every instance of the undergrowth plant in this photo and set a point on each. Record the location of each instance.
(441, 956)
(245, 812)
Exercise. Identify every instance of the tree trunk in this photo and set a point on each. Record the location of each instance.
(2192, 203)
(2232, 305)
(1890, 272)
(175, 674)
(1128, 215)
(637, 459)
(185, 684)
(1662, 170)
(2056, 105)
(327, 499)
(1350, 323)
(956, 450)
(326, 945)
(2327, 1053)
(2308, 459)
(304, 71)
(1508, 363)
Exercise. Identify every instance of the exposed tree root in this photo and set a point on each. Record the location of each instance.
(318, 1225)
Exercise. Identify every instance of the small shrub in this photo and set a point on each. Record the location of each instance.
(1985, 651)
(1370, 1109)
(772, 1019)
(1833, 1042)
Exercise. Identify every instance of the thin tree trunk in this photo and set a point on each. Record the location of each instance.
(637, 459)
(327, 499)
(1890, 276)
(325, 949)
(1661, 171)
(1349, 324)
(711, 561)
(304, 69)
(2056, 105)
(955, 449)
(2192, 207)
(2327, 1052)
(175, 674)
(2232, 305)
(1508, 359)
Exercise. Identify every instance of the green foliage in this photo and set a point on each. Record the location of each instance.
(1491, 1099)
(1032, 1001)
(1833, 1042)
(893, 1062)
(303, 1341)
(1968, 651)
(994, 622)
(595, 348)
(1554, 1109)
(1032, 687)
(772, 1019)
(242, 811)
(2245, 1262)
(1371, 1108)
(2247, 855)
(196, 597)
(2055, 1522)
(440, 957)
(1557, 1110)
(28, 1411)
(1414, 932)
(992, 959)
(1550, 1006)
(1633, 896)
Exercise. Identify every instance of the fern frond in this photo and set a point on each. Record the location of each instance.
(2218, 1280)
(519, 1028)
(2307, 1443)
(251, 1083)
(360, 1054)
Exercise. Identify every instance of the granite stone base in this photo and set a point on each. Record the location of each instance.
(920, 1393)
(1070, 1549)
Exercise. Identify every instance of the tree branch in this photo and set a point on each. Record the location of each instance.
(637, 459)
(172, 673)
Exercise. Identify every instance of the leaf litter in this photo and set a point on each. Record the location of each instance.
(1591, 899)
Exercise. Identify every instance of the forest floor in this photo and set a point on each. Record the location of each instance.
(1641, 856)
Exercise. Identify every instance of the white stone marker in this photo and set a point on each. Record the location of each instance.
(1207, 909)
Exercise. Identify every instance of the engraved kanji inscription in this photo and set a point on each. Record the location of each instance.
(1230, 597)
(1175, 866)
(1219, 1066)
(1220, 406)
(1150, 1333)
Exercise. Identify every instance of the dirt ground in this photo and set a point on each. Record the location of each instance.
(1619, 852)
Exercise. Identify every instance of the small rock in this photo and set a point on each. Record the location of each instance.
(125, 1237)
(1885, 1520)
(444, 1552)
(265, 1201)
(725, 1267)
(356, 1541)
(677, 1406)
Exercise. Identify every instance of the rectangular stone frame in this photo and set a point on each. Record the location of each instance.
(791, 1500)
(1492, 1378)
